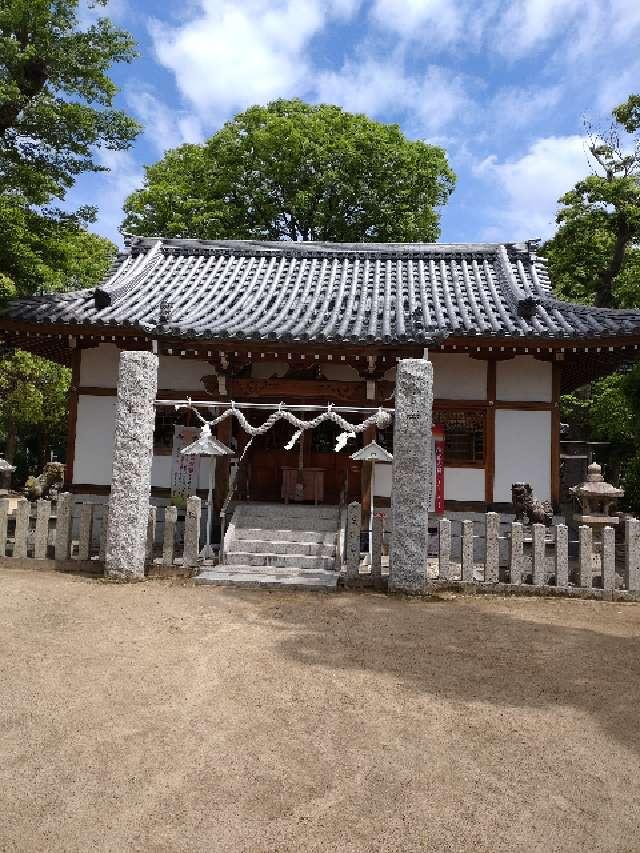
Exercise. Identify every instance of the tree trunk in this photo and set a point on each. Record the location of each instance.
(9, 452)
(604, 293)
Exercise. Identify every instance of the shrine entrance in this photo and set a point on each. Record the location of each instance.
(310, 471)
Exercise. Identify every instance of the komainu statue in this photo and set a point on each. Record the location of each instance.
(530, 510)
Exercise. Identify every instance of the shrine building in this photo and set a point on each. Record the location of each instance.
(315, 323)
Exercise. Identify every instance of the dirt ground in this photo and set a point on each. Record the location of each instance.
(165, 717)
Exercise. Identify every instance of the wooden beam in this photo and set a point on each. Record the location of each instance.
(555, 434)
(490, 434)
(72, 419)
(366, 471)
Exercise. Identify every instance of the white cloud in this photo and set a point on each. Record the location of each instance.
(512, 28)
(237, 52)
(443, 19)
(163, 127)
(428, 101)
(532, 185)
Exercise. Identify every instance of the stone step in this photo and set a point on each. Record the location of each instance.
(294, 510)
(326, 582)
(281, 561)
(269, 570)
(271, 546)
(265, 534)
(283, 521)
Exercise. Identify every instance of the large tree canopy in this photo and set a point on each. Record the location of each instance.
(56, 95)
(595, 256)
(297, 171)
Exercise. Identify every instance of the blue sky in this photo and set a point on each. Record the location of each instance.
(503, 85)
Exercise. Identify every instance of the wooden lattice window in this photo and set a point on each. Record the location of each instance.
(464, 436)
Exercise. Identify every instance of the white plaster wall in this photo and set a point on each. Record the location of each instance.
(460, 484)
(99, 366)
(456, 376)
(464, 484)
(523, 452)
(524, 378)
(94, 440)
(176, 373)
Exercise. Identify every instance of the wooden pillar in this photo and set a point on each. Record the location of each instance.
(555, 435)
(223, 465)
(72, 418)
(490, 433)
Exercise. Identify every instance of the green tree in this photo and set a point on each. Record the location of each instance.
(56, 96)
(56, 111)
(298, 171)
(594, 256)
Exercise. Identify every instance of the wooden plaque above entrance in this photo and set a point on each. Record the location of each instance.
(291, 389)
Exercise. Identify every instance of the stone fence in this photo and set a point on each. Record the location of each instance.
(73, 535)
(517, 558)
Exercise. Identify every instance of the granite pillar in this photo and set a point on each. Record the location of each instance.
(562, 555)
(192, 531)
(43, 514)
(516, 553)
(632, 554)
(444, 550)
(151, 535)
(376, 546)
(64, 519)
(23, 510)
(4, 524)
(411, 477)
(585, 556)
(353, 539)
(86, 532)
(608, 561)
(132, 455)
(467, 551)
(538, 572)
(492, 555)
(169, 538)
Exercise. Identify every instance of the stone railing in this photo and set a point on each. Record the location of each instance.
(498, 556)
(73, 536)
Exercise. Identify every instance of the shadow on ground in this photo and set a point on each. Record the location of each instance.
(538, 655)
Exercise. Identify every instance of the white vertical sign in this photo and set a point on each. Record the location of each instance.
(185, 469)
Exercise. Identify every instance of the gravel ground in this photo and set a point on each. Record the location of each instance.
(164, 717)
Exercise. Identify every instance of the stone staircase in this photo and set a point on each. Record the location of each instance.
(277, 545)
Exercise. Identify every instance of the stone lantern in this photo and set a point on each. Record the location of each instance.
(597, 499)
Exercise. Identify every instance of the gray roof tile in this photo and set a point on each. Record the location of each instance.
(327, 292)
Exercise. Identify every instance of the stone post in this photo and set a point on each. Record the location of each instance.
(376, 547)
(467, 551)
(86, 532)
(132, 455)
(169, 538)
(43, 514)
(562, 555)
(444, 550)
(104, 531)
(632, 554)
(516, 553)
(412, 475)
(4, 524)
(151, 534)
(492, 555)
(585, 556)
(192, 532)
(538, 572)
(353, 539)
(23, 510)
(608, 558)
(64, 519)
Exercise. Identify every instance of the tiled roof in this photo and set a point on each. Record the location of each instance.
(328, 292)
